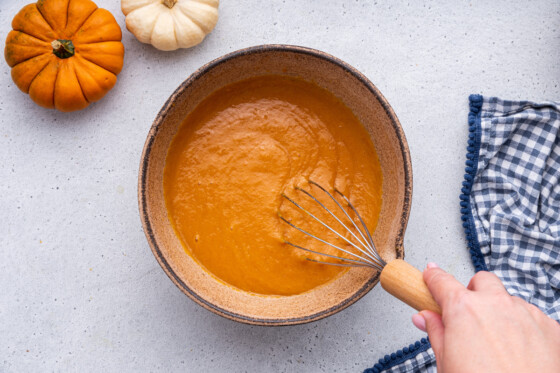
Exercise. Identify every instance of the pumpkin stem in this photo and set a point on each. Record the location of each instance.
(169, 3)
(63, 48)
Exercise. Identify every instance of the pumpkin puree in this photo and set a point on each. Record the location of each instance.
(233, 157)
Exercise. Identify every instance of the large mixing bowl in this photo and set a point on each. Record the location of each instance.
(367, 103)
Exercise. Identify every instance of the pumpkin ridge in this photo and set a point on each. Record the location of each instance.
(93, 63)
(15, 45)
(99, 26)
(195, 21)
(84, 71)
(27, 59)
(87, 53)
(67, 14)
(80, 27)
(96, 42)
(54, 85)
(67, 96)
(34, 37)
(47, 22)
(190, 19)
(79, 83)
(175, 30)
(39, 73)
(154, 26)
(84, 67)
(23, 16)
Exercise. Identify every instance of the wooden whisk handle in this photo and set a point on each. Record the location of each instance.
(406, 283)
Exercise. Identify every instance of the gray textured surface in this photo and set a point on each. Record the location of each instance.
(79, 287)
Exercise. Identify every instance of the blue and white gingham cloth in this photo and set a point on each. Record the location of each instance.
(510, 206)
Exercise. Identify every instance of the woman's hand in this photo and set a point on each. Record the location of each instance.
(484, 329)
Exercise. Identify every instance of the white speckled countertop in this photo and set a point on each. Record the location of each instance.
(79, 287)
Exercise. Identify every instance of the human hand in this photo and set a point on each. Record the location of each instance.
(484, 329)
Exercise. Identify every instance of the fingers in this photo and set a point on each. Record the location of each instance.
(441, 284)
(435, 329)
(419, 321)
(431, 322)
(486, 281)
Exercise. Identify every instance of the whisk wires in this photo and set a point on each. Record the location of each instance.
(367, 256)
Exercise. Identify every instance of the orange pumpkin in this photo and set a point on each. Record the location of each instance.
(64, 53)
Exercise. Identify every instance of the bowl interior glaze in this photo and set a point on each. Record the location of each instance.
(367, 103)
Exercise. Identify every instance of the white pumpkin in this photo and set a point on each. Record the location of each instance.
(170, 24)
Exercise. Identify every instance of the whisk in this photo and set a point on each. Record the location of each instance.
(397, 277)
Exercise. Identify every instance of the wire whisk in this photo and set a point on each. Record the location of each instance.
(367, 255)
(397, 277)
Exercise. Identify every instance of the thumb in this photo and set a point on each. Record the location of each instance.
(435, 329)
(441, 284)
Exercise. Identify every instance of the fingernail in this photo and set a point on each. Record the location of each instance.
(432, 265)
(419, 322)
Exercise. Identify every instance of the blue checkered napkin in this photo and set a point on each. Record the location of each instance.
(515, 198)
(510, 206)
(424, 361)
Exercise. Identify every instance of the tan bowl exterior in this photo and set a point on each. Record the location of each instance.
(367, 103)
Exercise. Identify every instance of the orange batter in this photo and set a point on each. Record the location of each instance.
(233, 157)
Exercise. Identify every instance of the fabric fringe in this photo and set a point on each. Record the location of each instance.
(400, 356)
(473, 149)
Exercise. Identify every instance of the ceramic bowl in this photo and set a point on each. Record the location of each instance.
(367, 103)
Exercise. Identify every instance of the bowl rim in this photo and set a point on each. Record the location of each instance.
(144, 161)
